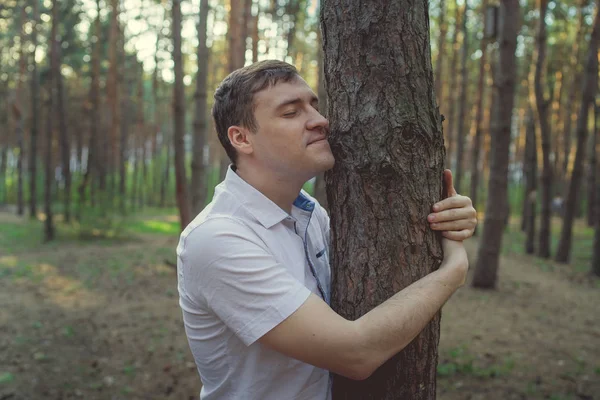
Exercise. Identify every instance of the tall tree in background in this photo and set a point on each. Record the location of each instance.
(65, 150)
(35, 111)
(378, 117)
(320, 187)
(592, 178)
(542, 108)
(476, 144)
(496, 211)
(198, 185)
(530, 172)
(451, 99)
(462, 108)
(575, 73)
(112, 88)
(181, 185)
(18, 111)
(588, 93)
(596, 246)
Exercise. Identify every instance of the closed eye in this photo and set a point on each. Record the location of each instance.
(290, 114)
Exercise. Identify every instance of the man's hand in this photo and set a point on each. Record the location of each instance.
(455, 215)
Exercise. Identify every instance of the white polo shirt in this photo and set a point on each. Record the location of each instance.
(243, 266)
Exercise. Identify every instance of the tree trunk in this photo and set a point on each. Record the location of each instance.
(237, 50)
(198, 186)
(530, 168)
(112, 87)
(462, 109)
(382, 107)
(128, 113)
(591, 186)
(441, 47)
(320, 187)
(157, 126)
(576, 75)
(166, 175)
(181, 184)
(35, 113)
(542, 106)
(496, 211)
(476, 148)
(588, 89)
(596, 245)
(451, 100)
(18, 110)
(255, 35)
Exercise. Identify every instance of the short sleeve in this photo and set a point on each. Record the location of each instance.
(226, 263)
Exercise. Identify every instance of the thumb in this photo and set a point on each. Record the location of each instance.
(449, 184)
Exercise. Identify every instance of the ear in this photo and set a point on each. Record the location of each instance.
(240, 139)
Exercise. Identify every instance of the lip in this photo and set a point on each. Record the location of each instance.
(323, 139)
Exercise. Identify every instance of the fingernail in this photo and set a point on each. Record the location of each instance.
(431, 217)
(436, 207)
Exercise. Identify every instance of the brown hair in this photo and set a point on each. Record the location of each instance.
(234, 98)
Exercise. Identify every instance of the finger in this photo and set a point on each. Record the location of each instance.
(449, 182)
(453, 226)
(453, 214)
(457, 201)
(458, 236)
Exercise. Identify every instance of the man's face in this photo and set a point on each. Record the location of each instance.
(291, 136)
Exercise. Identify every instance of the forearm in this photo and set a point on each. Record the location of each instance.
(388, 328)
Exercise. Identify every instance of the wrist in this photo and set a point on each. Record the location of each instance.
(454, 271)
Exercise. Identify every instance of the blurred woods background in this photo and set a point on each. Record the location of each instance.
(105, 106)
(106, 133)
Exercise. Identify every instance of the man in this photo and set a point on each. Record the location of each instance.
(253, 270)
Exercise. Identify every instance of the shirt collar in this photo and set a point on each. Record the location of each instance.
(260, 206)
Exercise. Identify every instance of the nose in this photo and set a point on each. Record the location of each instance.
(317, 121)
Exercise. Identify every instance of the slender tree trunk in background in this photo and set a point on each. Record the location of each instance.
(237, 51)
(3, 162)
(554, 119)
(496, 211)
(462, 108)
(596, 245)
(291, 9)
(592, 179)
(530, 167)
(542, 106)
(255, 35)
(166, 174)
(588, 90)
(451, 100)
(35, 113)
(392, 189)
(142, 132)
(18, 110)
(157, 124)
(128, 112)
(441, 47)
(181, 184)
(112, 88)
(198, 186)
(320, 191)
(476, 145)
(576, 76)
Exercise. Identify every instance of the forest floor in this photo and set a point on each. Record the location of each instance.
(99, 319)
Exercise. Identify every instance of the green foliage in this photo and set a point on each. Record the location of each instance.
(461, 362)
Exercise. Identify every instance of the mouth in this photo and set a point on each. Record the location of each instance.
(320, 140)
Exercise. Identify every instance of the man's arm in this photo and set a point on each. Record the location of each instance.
(317, 335)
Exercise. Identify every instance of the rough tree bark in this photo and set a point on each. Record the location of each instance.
(320, 188)
(382, 107)
(441, 47)
(542, 108)
(198, 186)
(497, 203)
(588, 90)
(462, 108)
(35, 112)
(181, 184)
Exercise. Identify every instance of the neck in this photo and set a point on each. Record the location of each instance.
(280, 189)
